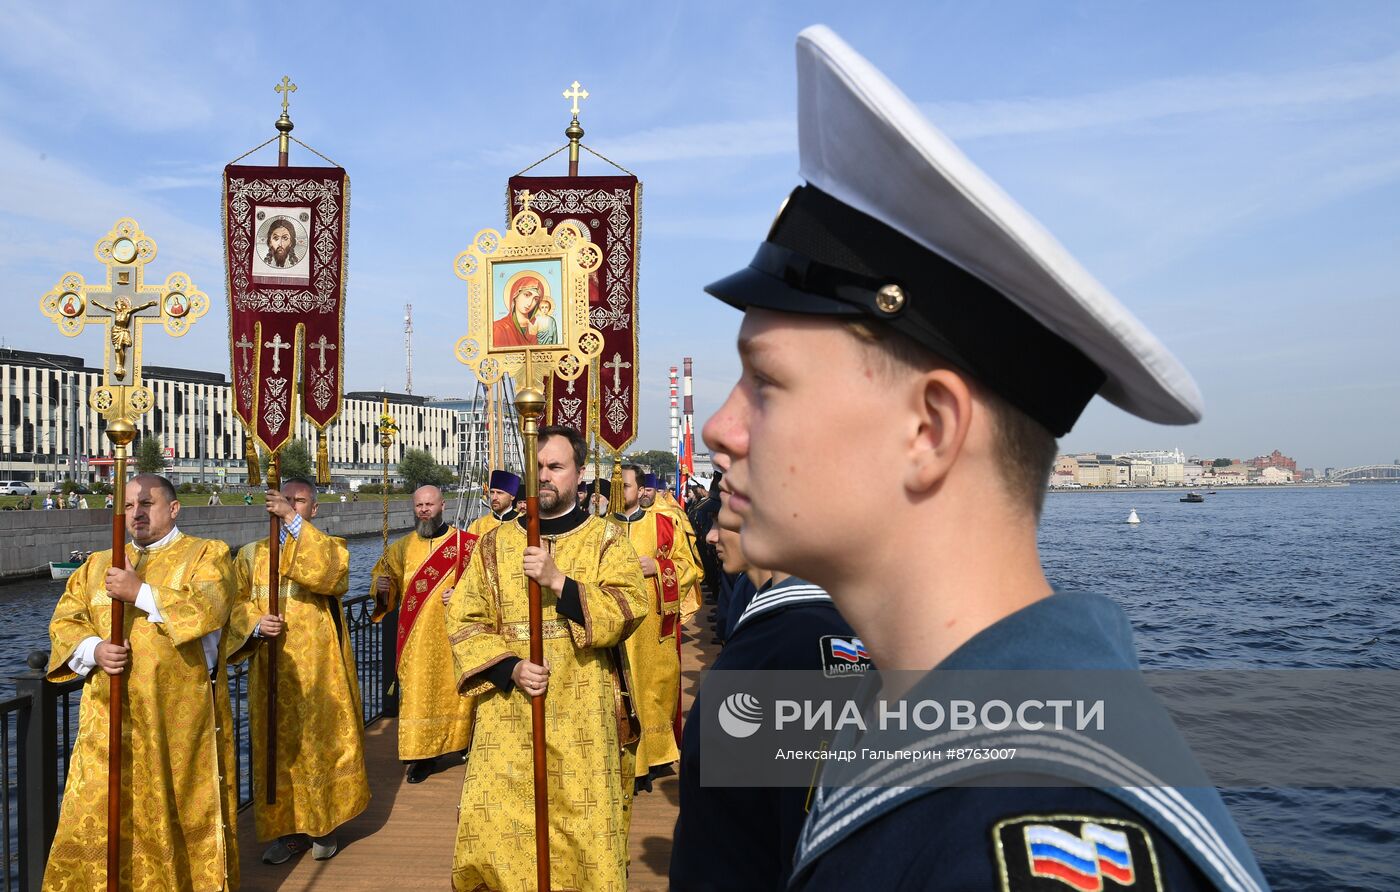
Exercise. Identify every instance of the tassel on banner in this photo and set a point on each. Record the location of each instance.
(323, 460)
(250, 449)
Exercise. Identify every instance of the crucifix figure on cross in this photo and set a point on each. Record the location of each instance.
(123, 306)
(617, 365)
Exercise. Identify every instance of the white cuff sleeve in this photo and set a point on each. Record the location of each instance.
(84, 658)
(146, 600)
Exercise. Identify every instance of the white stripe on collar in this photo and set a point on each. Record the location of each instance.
(782, 595)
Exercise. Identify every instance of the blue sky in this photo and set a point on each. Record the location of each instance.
(1229, 170)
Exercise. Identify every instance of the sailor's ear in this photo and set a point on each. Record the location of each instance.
(941, 406)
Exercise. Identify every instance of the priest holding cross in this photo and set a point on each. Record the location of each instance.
(162, 783)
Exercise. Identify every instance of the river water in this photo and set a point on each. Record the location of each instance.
(1252, 578)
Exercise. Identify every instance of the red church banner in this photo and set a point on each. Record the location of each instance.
(609, 211)
(285, 239)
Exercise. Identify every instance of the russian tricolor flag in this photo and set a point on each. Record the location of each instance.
(1063, 856)
(1111, 847)
(852, 651)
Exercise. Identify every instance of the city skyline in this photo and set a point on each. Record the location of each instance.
(1233, 185)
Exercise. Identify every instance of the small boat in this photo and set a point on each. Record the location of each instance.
(1193, 497)
(64, 569)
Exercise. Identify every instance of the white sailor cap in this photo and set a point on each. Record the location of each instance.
(897, 225)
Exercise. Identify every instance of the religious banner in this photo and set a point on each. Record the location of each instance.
(608, 211)
(285, 239)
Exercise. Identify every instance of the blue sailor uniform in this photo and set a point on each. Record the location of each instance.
(926, 832)
(737, 838)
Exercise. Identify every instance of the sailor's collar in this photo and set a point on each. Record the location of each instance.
(160, 543)
(785, 594)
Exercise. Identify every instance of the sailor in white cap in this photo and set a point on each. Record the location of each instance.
(904, 310)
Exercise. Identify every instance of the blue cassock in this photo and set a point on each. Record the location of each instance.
(730, 839)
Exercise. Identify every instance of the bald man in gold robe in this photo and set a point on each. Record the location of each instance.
(416, 576)
(178, 803)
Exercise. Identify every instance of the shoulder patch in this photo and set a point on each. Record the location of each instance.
(1046, 853)
(843, 656)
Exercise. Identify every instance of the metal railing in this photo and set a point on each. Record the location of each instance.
(39, 725)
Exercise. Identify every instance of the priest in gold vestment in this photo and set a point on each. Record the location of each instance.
(502, 489)
(416, 576)
(593, 597)
(321, 780)
(670, 570)
(178, 801)
(656, 497)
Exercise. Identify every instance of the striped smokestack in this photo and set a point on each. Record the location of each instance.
(675, 416)
(688, 409)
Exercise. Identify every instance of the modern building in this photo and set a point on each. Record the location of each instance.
(48, 432)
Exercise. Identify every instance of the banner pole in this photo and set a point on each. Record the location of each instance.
(529, 403)
(274, 481)
(120, 433)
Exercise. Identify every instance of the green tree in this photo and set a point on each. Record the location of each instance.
(296, 461)
(659, 460)
(1222, 463)
(150, 456)
(419, 468)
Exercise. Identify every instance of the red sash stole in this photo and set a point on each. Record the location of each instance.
(449, 557)
(667, 583)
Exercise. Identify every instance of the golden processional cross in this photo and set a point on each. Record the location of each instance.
(121, 308)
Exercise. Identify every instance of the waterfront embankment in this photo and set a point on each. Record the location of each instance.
(30, 539)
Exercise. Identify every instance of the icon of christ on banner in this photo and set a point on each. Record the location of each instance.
(525, 312)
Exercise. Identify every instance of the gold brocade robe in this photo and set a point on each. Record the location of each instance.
(178, 796)
(654, 657)
(321, 780)
(489, 521)
(690, 595)
(589, 769)
(433, 719)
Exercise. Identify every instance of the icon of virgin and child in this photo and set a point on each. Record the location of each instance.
(529, 317)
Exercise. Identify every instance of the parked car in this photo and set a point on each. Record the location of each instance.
(15, 488)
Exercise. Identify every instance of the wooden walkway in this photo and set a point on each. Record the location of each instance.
(404, 839)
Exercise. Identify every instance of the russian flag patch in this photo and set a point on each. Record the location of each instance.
(844, 656)
(1044, 853)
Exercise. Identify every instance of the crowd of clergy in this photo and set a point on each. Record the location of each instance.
(617, 586)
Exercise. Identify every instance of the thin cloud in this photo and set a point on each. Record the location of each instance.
(1287, 92)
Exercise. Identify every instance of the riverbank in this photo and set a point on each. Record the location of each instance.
(1214, 490)
(29, 540)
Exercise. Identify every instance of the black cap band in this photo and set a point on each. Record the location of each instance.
(825, 258)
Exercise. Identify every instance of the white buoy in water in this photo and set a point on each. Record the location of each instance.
(1132, 516)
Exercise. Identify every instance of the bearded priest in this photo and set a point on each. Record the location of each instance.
(593, 596)
(178, 800)
(415, 576)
